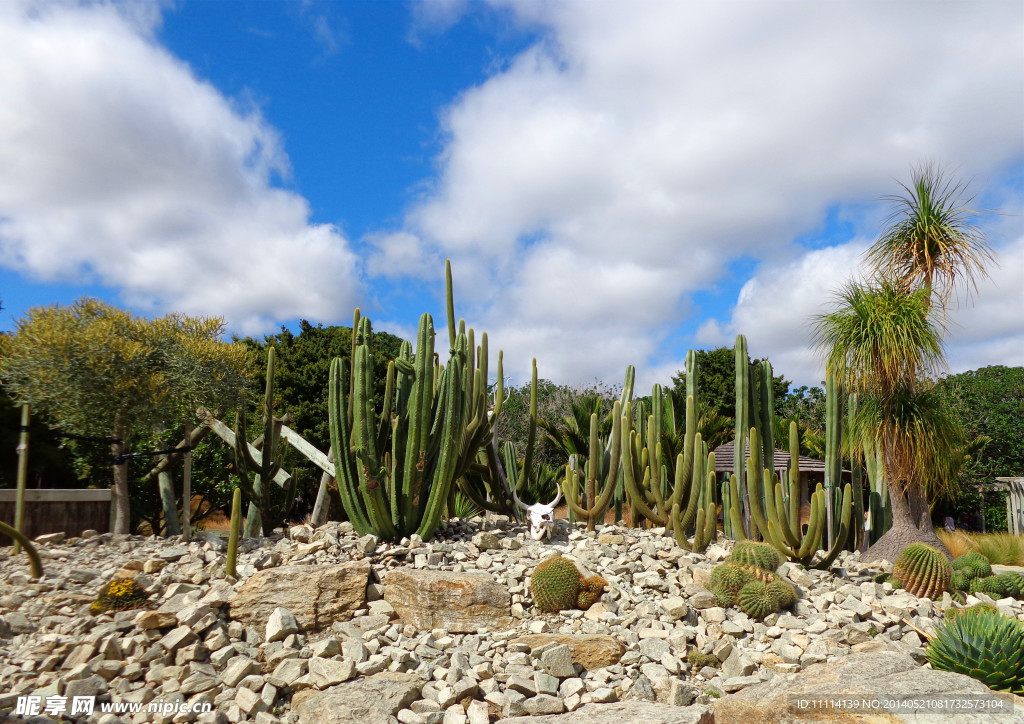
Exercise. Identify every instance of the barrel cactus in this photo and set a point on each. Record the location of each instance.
(1013, 584)
(726, 581)
(923, 570)
(556, 584)
(989, 585)
(975, 565)
(759, 556)
(757, 600)
(982, 644)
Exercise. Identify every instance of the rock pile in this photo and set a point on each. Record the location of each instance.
(324, 626)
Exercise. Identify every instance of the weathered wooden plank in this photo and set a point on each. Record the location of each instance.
(226, 434)
(58, 496)
(315, 456)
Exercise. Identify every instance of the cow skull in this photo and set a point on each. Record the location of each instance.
(540, 517)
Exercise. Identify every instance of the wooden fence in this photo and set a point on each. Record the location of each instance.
(1014, 504)
(58, 511)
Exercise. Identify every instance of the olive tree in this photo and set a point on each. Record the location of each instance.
(97, 370)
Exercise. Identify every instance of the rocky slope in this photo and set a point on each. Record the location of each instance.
(324, 626)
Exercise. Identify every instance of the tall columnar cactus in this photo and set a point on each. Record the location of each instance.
(923, 570)
(779, 522)
(857, 475)
(879, 506)
(599, 466)
(644, 467)
(742, 426)
(833, 454)
(265, 502)
(396, 471)
(230, 568)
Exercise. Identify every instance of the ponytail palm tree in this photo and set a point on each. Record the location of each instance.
(884, 342)
(932, 241)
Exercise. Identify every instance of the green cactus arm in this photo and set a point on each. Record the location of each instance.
(450, 302)
(794, 477)
(844, 529)
(417, 420)
(499, 388)
(570, 491)
(754, 481)
(742, 422)
(627, 387)
(384, 423)
(35, 562)
(443, 473)
(815, 526)
(531, 432)
(790, 536)
(678, 529)
(636, 496)
(734, 513)
(236, 525)
(344, 461)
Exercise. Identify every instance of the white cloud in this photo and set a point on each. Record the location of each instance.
(635, 151)
(119, 165)
(776, 304)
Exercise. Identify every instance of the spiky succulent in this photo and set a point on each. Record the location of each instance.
(121, 594)
(755, 555)
(1013, 583)
(974, 564)
(923, 570)
(983, 644)
(757, 600)
(556, 584)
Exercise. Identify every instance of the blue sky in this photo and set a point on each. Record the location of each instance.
(614, 182)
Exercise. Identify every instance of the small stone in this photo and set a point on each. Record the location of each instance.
(280, 625)
(557, 661)
(675, 607)
(543, 704)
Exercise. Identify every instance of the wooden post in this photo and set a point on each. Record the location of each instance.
(19, 501)
(186, 495)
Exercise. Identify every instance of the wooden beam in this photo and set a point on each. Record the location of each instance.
(58, 495)
(315, 456)
(226, 434)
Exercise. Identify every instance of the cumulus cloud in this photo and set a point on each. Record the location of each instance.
(626, 159)
(118, 165)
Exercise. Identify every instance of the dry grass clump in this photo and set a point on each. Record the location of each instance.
(1004, 549)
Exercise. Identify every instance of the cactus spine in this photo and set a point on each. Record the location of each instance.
(230, 568)
(260, 492)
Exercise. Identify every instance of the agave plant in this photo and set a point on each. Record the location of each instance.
(983, 644)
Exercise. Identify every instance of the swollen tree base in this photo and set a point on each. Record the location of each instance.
(894, 540)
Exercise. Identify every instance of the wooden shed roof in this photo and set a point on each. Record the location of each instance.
(724, 460)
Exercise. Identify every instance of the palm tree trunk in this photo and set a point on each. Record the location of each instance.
(911, 523)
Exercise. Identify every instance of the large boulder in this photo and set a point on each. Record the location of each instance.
(374, 700)
(457, 602)
(315, 595)
(877, 687)
(624, 712)
(591, 651)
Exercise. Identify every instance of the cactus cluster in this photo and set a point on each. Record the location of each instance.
(984, 644)
(397, 470)
(698, 660)
(923, 570)
(748, 580)
(120, 594)
(972, 573)
(556, 584)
